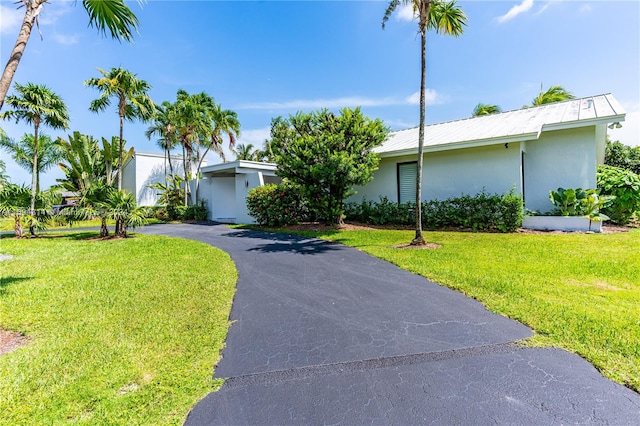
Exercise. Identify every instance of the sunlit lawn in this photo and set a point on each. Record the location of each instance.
(123, 331)
(580, 292)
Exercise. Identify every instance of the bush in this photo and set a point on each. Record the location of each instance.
(481, 212)
(195, 213)
(624, 185)
(277, 205)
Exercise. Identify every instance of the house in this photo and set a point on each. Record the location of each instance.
(145, 169)
(225, 187)
(532, 150)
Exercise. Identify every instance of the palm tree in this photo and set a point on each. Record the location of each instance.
(133, 101)
(553, 94)
(445, 18)
(223, 121)
(485, 109)
(246, 152)
(23, 152)
(111, 15)
(164, 126)
(36, 105)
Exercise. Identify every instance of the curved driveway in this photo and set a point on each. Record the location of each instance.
(325, 334)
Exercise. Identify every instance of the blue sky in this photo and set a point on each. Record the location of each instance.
(269, 58)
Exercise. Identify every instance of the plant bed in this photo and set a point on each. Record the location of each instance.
(561, 223)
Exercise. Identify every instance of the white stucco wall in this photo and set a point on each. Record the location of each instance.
(145, 169)
(245, 182)
(220, 195)
(563, 158)
(451, 173)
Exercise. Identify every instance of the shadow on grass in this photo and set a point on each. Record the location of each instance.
(7, 281)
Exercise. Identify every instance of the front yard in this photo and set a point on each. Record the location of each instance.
(580, 292)
(121, 332)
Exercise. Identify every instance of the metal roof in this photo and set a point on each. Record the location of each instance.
(238, 166)
(511, 126)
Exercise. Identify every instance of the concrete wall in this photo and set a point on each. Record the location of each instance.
(220, 195)
(451, 173)
(245, 182)
(563, 158)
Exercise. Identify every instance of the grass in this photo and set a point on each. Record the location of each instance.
(123, 331)
(580, 292)
(7, 224)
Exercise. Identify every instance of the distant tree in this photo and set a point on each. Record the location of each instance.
(4, 178)
(551, 95)
(133, 100)
(326, 155)
(623, 156)
(247, 152)
(485, 109)
(445, 18)
(39, 106)
(23, 153)
(111, 15)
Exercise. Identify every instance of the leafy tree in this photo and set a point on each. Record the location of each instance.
(551, 95)
(106, 15)
(623, 156)
(624, 185)
(133, 100)
(36, 105)
(445, 18)
(326, 155)
(23, 153)
(485, 109)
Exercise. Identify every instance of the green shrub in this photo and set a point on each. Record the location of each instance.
(162, 214)
(481, 212)
(195, 213)
(277, 205)
(624, 185)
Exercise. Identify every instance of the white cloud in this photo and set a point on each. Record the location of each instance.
(254, 137)
(585, 8)
(10, 20)
(405, 13)
(432, 97)
(523, 7)
(66, 39)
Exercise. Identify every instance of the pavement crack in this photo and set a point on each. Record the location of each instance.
(308, 372)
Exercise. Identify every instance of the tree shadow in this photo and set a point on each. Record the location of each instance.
(285, 243)
(7, 281)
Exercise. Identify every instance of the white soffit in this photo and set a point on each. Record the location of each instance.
(511, 126)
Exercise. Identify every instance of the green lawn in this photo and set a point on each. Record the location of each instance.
(580, 292)
(123, 331)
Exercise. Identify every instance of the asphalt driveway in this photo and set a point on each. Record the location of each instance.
(325, 334)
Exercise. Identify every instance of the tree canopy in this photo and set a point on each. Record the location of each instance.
(327, 155)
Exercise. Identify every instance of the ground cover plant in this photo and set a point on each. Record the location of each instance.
(580, 292)
(115, 338)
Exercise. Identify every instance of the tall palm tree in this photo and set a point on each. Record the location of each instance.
(106, 15)
(445, 18)
(23, 152)
(36, 105)
(246, 152)
(132, 97)
(551, 95)
(164, 127)
(224, 122)
(485, 109)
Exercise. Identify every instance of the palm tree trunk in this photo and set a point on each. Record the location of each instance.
(104, 231)
(30, 15)
(34, 177)
(17, 226)
(419, 239)
(120, 148)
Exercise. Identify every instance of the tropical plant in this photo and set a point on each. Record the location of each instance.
(164, 127)
(133, 100)
(445, 18)
(326, 155)
(246, 152)
(567, 201)
(277, 205)
(551, 95)
(24, 151)
(38, 106)
(171, 194)
(4, 178)
(121, 207)
(623, 156)
(624, 185)
(106, 15)
(15, 202)
(485, 109)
